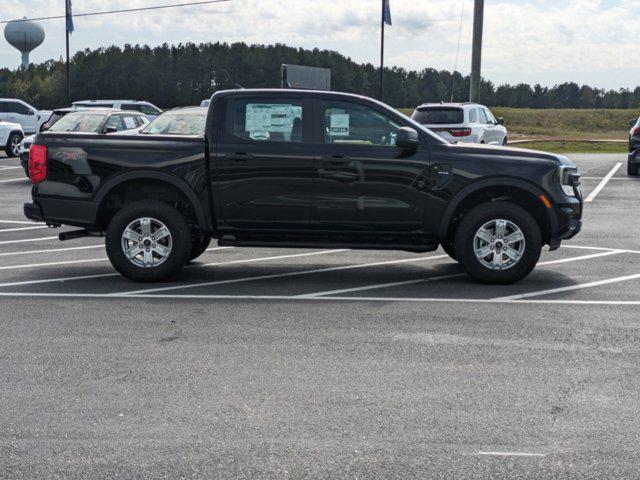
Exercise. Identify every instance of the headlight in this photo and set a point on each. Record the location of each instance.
(569, 180)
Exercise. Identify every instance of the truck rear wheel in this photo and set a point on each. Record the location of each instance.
(148, 241)
(498, 243)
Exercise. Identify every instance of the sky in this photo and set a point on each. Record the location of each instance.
(592, 42)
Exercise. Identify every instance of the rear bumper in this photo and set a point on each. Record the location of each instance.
(62, 212)
(33, 212)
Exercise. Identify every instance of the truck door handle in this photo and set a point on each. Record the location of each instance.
(239, 157)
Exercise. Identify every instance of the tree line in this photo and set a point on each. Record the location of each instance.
(184, 74)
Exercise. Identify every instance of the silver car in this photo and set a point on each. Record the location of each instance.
(462, 122)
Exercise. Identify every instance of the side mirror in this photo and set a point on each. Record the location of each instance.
(500, 121)
(632, 123)
(44, 127)
(407, 139)
(31, 112)
(110, 130)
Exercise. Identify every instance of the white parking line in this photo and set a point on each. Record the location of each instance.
(281, 275)
(25, 240)
(603, 183)
(19, 222)
(583, 257)
(8, 168)
(290, 298)
(512, 454)
(5, 230)
(568, 288)
(49, 264)
(446, 277)
(380, 285)
(52, 250)
(25, 180)
(103, 275)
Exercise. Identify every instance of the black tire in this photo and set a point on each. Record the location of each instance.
(632, 169)
(505, 142)
(15, 136)
(447, 246)
(199, 244)
(180, 237)
(483, 214)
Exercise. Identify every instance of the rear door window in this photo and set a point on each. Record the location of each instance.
(271, 120)
(439, 116)
(483, 116)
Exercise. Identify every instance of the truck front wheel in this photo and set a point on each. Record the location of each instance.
(148, 241)
(498, 243)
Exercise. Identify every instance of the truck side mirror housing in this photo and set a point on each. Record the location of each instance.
(407, 138)
(500, 121)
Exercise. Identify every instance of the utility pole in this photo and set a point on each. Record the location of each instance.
(66, 28)
(476, 58)
(382, 54)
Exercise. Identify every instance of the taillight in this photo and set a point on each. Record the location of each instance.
(635, 131)
(37, 163)
(460, 132)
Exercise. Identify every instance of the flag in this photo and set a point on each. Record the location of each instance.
(69, 17)
(386, 12)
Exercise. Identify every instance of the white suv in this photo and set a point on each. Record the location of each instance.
(11, 136)
(148, 109)
(462, 122)
(16, 111)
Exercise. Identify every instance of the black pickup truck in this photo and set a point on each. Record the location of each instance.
(288, 168)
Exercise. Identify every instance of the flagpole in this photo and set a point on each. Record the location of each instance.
(382, 54)
(66, 29)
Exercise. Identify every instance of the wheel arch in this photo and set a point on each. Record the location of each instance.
(521, 192)
(166, 185)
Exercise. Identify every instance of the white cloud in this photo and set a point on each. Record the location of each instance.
(543, 41)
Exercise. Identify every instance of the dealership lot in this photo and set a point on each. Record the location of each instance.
(306, 363)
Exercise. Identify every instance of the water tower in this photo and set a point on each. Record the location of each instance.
(24, 35)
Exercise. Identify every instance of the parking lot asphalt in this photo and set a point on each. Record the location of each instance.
(267, 363)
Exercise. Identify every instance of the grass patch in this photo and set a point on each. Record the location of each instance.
(574, 147)
(570, 124)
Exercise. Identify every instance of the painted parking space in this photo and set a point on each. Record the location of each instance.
(596, 266)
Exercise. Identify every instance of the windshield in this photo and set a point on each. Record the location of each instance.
(439, 116)
(79, 122)
(177, 123)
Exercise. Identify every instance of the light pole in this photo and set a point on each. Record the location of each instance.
(476, 57)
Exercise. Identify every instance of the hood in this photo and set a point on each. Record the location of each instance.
(509, 153)
(10, 125)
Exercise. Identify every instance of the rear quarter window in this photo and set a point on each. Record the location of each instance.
(439, 116)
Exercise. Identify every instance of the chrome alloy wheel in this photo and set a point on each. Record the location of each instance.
(146, 242)
(499, 244)
(15, 145)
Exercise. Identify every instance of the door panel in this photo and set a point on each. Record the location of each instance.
(365, 183)
(263, 168)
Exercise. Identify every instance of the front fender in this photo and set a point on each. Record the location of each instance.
(500, 182)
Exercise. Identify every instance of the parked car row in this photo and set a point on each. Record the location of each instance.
(301, 169)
